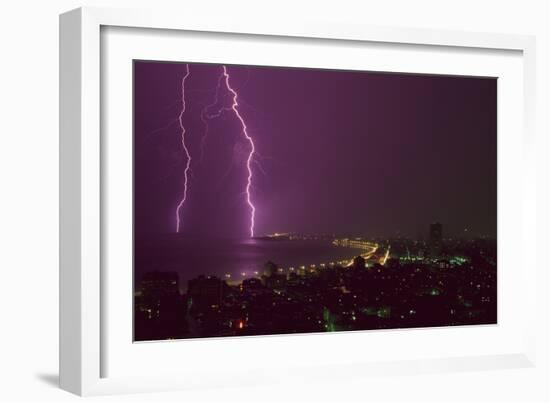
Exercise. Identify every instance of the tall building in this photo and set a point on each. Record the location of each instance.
(205, 291)
(436, 239)
(157, 284)
(159, 308)
(270, 269)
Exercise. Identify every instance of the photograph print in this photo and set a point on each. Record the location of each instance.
(277, 200)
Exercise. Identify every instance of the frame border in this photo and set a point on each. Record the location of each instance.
(80, 306)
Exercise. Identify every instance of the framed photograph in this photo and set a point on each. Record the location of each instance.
(238, 197)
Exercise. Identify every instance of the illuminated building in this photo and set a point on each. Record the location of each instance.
(436, 239)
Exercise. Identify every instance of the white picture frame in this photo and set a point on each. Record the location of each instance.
(83, 294)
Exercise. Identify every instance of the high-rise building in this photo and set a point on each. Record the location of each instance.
(205, 291)
(159, 307)
(157, 284)
(436, 239)
(270, 269)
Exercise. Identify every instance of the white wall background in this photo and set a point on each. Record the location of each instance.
(29, 200)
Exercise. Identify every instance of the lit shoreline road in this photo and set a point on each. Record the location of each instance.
(370, 249)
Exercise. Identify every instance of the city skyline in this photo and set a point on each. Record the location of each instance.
(392, 284)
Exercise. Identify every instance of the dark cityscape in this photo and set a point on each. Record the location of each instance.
(385, 186)
(396, 283)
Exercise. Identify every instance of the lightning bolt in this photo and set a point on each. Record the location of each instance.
(234, 107)
(185, 149)
(205, 117)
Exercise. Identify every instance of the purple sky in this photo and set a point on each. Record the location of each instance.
(340, 152)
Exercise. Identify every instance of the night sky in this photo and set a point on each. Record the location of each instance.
(341, 152)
